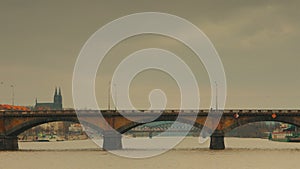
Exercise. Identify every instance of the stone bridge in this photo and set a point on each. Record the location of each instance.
(12, 123)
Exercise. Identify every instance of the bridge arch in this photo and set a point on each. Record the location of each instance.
(15, 131)
(132, 125)
(242, 122)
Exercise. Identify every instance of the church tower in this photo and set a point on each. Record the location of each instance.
(57, 99)
(55, 105)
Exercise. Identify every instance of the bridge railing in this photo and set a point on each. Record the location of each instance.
(39, 112)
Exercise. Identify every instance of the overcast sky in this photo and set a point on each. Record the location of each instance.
(258, 42)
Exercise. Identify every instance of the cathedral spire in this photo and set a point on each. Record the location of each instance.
(55, 93)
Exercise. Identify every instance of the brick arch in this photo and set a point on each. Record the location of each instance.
(36, 122)
(132, 125)
(242, 122)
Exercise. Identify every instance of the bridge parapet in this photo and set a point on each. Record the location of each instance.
(10, 112)
(202, 112)
(266, 111)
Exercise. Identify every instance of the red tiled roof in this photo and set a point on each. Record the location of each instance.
(11, 107)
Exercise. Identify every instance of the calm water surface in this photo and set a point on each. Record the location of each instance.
(240, 154)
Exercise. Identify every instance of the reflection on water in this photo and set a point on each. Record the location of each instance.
(189, 143)
(240, 153)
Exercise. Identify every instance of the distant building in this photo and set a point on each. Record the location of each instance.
(55, 105)
(13, 108)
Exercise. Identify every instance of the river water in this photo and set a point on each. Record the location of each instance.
(240, 153)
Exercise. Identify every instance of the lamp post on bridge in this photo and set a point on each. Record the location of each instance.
(115, 93)
(12, 94)
(216, 95)
(109, 93)
(108, 96)
(1, 83)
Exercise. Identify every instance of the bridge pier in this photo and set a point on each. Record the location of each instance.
(217, 141)
(9, 143)
(112, 140)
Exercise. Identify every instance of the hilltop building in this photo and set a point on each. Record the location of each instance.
(55, 105)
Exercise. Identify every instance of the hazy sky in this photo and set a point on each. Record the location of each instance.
(258, 42)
